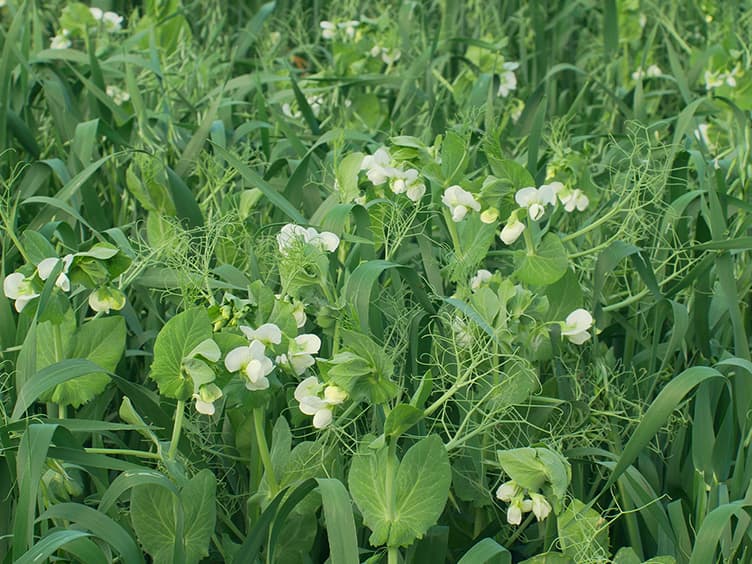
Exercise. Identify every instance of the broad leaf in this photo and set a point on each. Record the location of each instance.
(546, 266)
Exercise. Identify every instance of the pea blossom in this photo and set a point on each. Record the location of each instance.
(378, 166)
(310, 402)
(573, 199)
(480, 278)
(46, 266)
(408, 182)
(105, 299)
(252, 364)
(267, 334)
(540, 506)
(205, 398)
(328, 29)
(300, 353)
(19, 288)
(512, 230)
(507, 80)
(535, 199)
(575, 327)
(459, 202)
(292, 234)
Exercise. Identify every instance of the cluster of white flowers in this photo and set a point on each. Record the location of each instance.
(315, 102)
(576, 326)
(652, 71)
(387, 56)
(110, 21)
(118, 95)
(380, 168)
(310, 401)
(291, 235)
(534, 201)
(329, 29)
(460, 202)
(716, 79)
(510, 492)
(507, 79)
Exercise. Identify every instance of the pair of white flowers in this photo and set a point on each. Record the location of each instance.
(315, 102)
(292, 235)
(507, 79)
(387, 56)
(19, 288)
(534, 201)
(380, 169)
(460, 202)
(510, 492)
(329, 29)
(111, 22)
(311, 401)
(717, 79)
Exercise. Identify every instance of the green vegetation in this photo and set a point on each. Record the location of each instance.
(347, 282)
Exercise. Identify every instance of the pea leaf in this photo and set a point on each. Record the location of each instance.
(546, 266)
(156, 516)
(178, 337)
(420, 491)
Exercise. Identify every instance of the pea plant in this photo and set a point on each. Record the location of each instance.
(296, 282)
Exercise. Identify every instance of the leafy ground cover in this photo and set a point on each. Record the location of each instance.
(401, 282)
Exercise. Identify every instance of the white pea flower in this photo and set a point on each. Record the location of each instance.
(408, 182)
(268, 334)
(310, 402)
(118, 95)
(205, 398)
(328, 29)
(514, 513)
(349, 27)
(653, 71)
(375, 51)
(17, 287)
(535, 200)
(390, 56)
(96, 13)
(507, 491)
(481, 277)
(540, 506)
(252, 363)
(713, 80)
(378, 166)
(299, 314)
(507, 80)
(299, 355)
(105, 299)
(489, 215)
(112, 22)
(574, 199)
(46, 266)
(512, 230)
(287, 110)
(459, 202)
(60, 41)
(291, 234)
(575, 327)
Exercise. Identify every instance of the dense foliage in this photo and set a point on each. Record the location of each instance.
(340, 281)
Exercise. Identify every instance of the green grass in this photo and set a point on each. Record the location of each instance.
(166, 153)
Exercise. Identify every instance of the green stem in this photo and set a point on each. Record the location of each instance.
(266, 459)
(391, 471)
(123, 452)
(176, 429)
(529, 244)
(452, 227)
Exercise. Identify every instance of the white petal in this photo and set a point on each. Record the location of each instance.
(579, 338)
(260, 384)
(514, 515)
(511, 232)
(45, 267)
(481, 276)
(311, 404)
(459, 213)
(329, 241)
(307, 343)
(526, 196)
(258, 368)
(62, 282)
(300, 362)
(237, 358)
(308, 387)
(203, 407)
(13, 285)
(22, 301)
(577, 321)
(322, 418)
(334, 395)
(536, 211)
(507, 491)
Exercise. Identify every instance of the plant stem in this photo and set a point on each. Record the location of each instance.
(529, 243)
(266, 459)
(393, 555)
(176, 429)
(452, 227)
(391, 471)
(123, 452)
